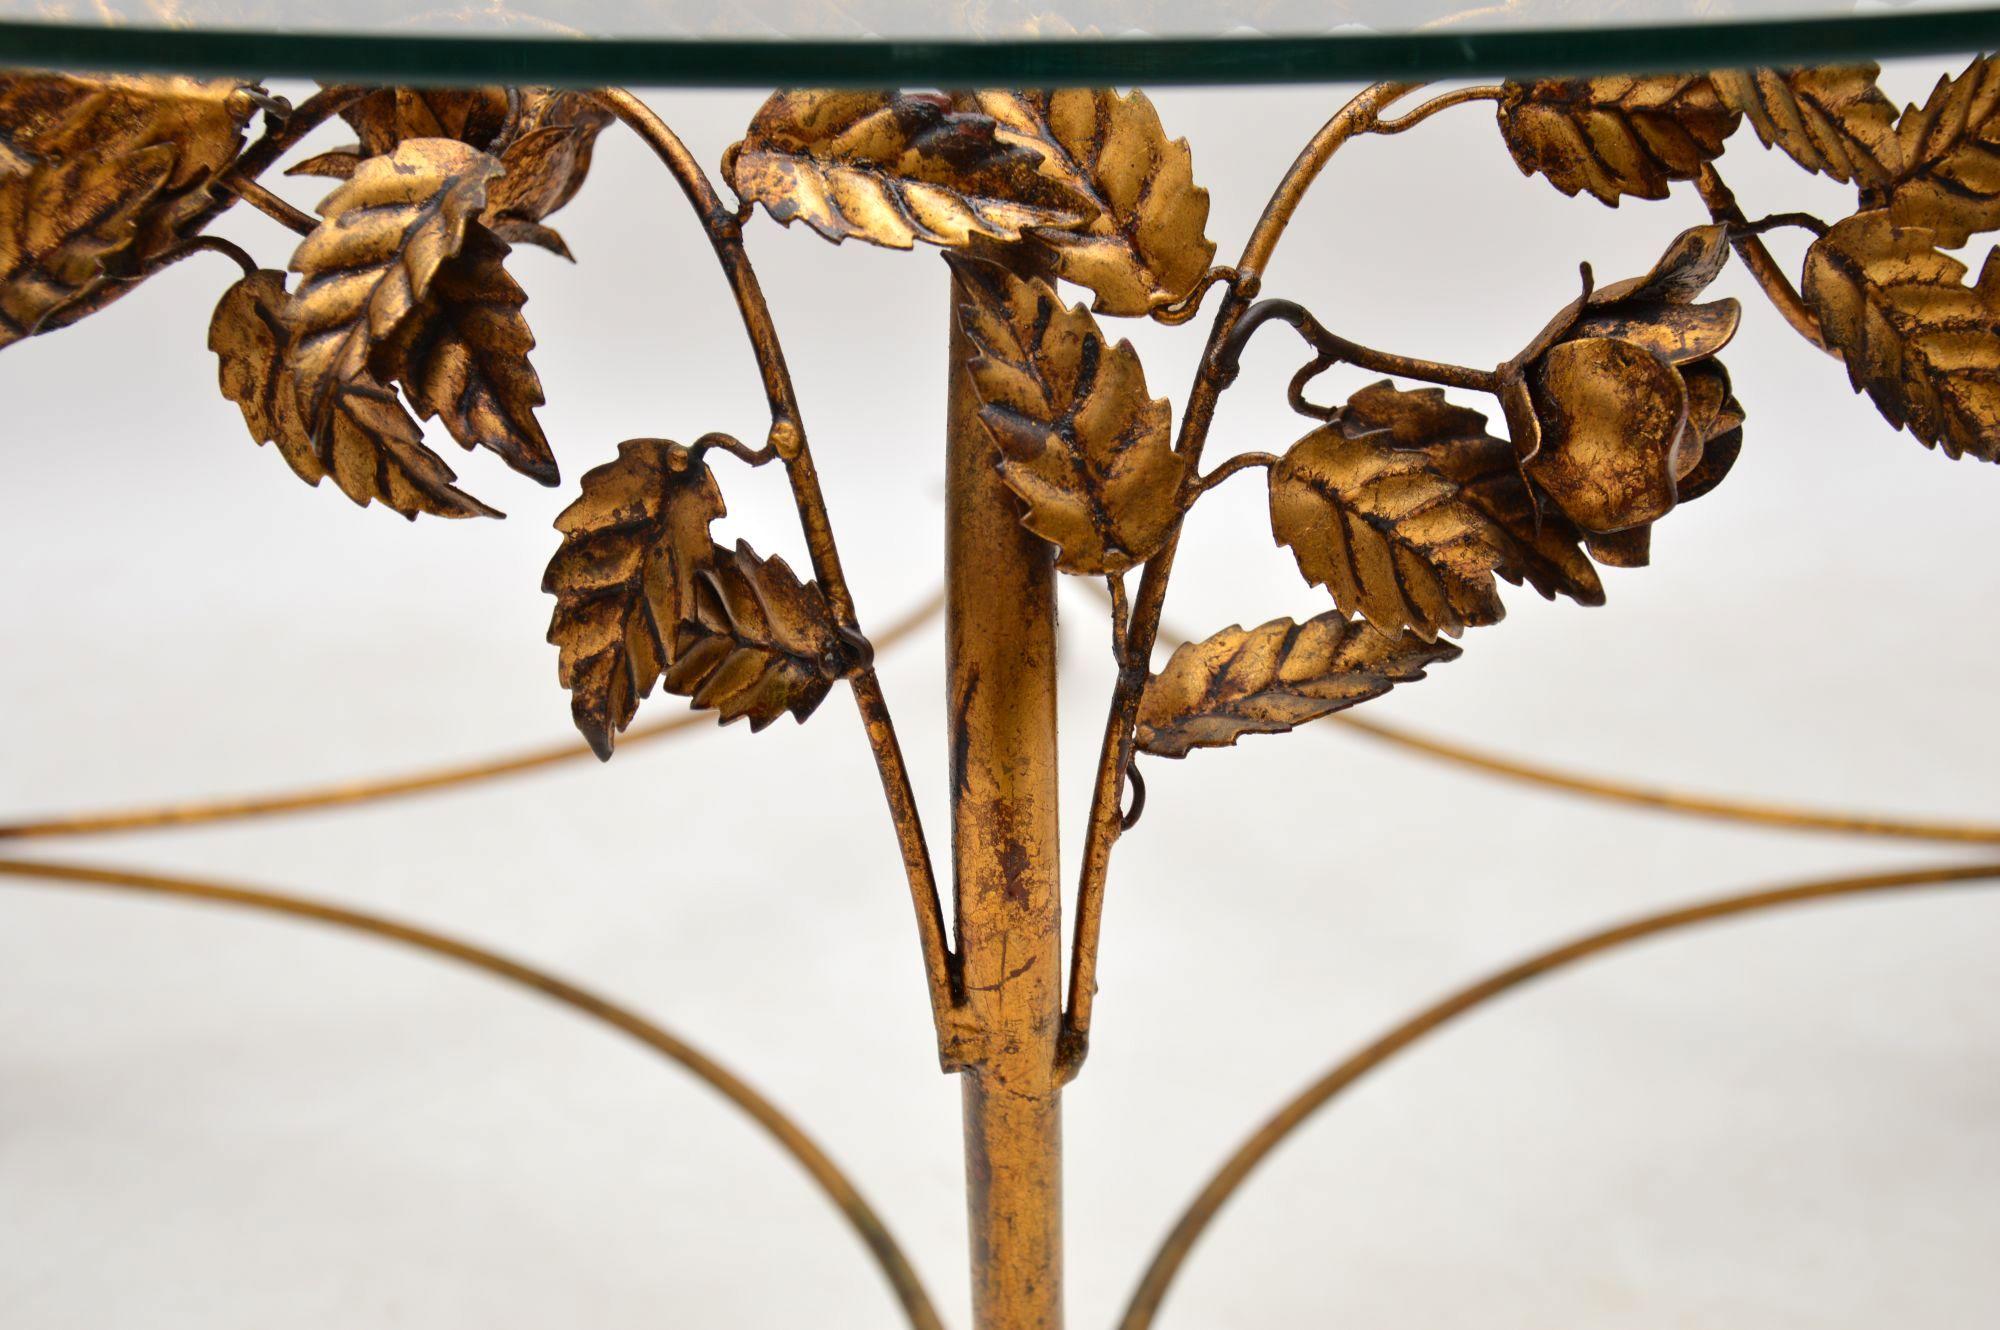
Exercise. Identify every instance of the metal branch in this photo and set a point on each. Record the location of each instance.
(736, 448)
(264, 201)
(1115, 754)
(1189, 305)
(1771, 278)
(789, 1136)
(235, 253)
(1173, 1253)
(1295, 391)
(1777, 221)
(788, 439)
(1240, 462)
(282, 133)
(1334, 349)
(1121, 617)
(1491, 92)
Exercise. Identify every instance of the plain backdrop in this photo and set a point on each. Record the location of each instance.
(209, 1119)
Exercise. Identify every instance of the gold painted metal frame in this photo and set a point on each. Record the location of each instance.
(1399, 502)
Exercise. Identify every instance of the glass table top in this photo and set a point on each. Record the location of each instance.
(969, 42)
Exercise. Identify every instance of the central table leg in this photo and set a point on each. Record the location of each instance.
(1001, 657)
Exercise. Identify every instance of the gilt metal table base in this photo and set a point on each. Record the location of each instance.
(1401, 502)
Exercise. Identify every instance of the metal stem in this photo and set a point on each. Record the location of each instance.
(788, 439)
(1000, 623)
(1115, 755)
(1777, 287)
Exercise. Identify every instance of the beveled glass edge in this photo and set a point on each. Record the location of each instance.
(1356, 57)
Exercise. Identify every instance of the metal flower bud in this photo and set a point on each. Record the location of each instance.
(1619, 408)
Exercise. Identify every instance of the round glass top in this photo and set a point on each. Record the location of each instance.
(969, 42)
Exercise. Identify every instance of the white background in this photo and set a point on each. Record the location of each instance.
(212, 1120)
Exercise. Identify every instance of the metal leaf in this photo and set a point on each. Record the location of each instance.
(1951, 152)
(1832, 120)
(366, 441)
(333, 164)
(894, 169)
(387, 117)
(1141, 245)
(1916, 339)
(624, 578)
(1387, 532)
(1616, 135)
(248, 334)
(369, 264)
(1083, 444)
(1269, 679)
(375, 452)
(1542, 548)
(546, 155)
(102, 176)
(542, 136)
(463, 355)
(759, 644)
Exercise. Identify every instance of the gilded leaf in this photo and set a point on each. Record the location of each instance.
(624, 578)
(1141, 243)
(1951, 153)
(388, 117)
(463, 355)
(546, 157)
(365, 270)
(1832, 120)
(1270, 679)
(760, 642)
(248, 337)
(1083, 444)
(894, 169)
(1387, 532)
(1616, 135)
(103, 175)
(367, 441)
(1916, 339)
(374, 451)
(333, 164)
(64, 224)
(1543, 549)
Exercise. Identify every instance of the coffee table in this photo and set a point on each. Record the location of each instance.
(1060, 213)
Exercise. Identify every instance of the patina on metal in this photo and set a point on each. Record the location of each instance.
(1408, 506)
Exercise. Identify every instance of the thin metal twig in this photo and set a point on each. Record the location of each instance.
(1114, 755)
(1491, 92)
(736, 448)
(788, 439)
(263, 200)
(1240, 462)
(1777, 287)
(204, 244)
(1335, 349)
(1189, 305)
(1121, 617)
